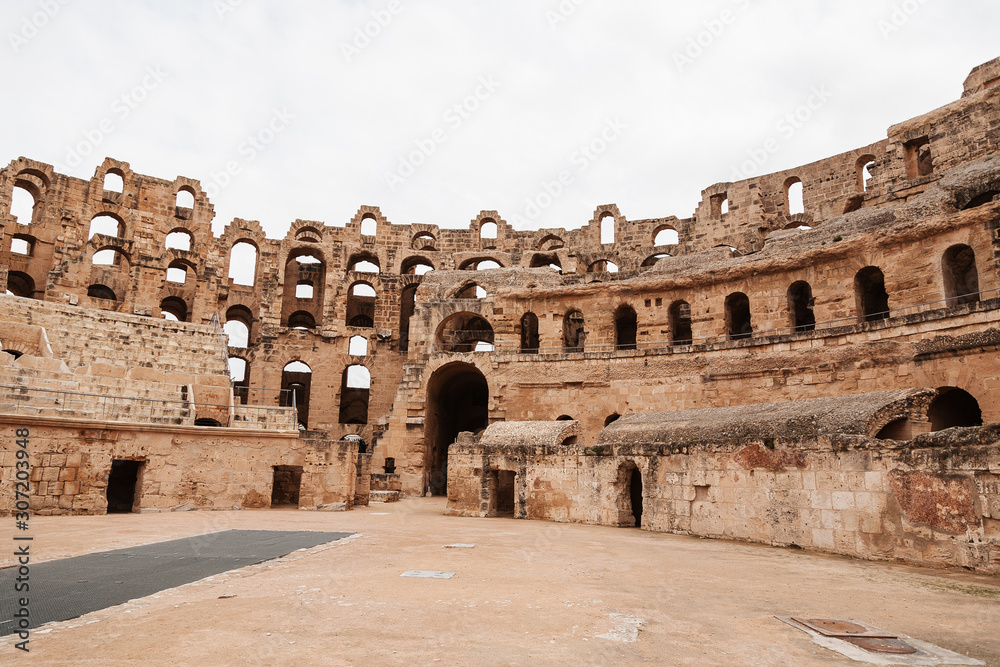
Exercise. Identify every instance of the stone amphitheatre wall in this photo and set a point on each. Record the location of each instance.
(934, 500)
(772, 310)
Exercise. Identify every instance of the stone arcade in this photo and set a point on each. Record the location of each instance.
(808, 360)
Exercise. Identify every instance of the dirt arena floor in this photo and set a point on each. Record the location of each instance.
(527, 593)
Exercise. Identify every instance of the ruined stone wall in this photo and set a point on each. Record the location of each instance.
(204, 468)
(932, 501)
(923, 199)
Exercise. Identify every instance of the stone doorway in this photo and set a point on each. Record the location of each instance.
(502, 493)
(286, 486)
(628, 495)
(635, 496)
(457, 400)
(123, 485)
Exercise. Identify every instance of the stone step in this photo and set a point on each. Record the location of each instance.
(383, 496)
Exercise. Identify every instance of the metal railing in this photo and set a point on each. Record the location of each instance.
(24, 400)
(513, 347)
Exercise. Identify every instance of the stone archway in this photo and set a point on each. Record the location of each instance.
(457, 400)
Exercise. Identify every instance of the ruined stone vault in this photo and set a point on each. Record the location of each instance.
(808, 359)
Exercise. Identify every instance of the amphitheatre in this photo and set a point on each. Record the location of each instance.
(809, 361)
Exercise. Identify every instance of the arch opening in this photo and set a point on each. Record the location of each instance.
(800, 306)
(626, 327)
(872, 299)
(961, 279)
(574, 335)
(680, 323)
(738, 323)
(954, 407)
(243, 263)
(529, 334)
(296, 380)
(463, 332)
(407, 304)
(457, 401)
(355, 390)
(174, 308)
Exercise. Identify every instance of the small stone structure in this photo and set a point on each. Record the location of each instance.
(807, 473)
(360, 352)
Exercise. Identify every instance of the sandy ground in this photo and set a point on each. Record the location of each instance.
(528, 593)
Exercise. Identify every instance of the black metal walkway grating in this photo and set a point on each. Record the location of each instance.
(71, 587)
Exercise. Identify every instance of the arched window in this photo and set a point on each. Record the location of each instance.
(666, 236)
(550, 242)
(488, 230)
(174, 308)
(361, 305)
(368, 226)
(20, 284)
(680, 323)
(239, 321)
(185, 198)
(574, 336)
(22, 205)
(358, 346)
(407, 303)
(800, 306)
(296, 379)
(529, 333)
(113, 181)
(101, 292)
(954, 407)
(626, 327)
(179, 239)
(177, 272)
(961, 279)
(719, 204)
(462, 332)
(612, 418)
(603, 266)
(301, 320)
(364, 263)
(863, 168)
(243, 263)
(354, 392)
(653, 259)
(869, 291)
(487, 264)
(607, 228)
(423, 241)
(239, 373)
(794, 196)
(238, 333)
(108, 225)
(416, 266)
(738, 323)
(109, 257)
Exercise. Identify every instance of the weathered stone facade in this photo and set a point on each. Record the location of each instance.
(884, 277)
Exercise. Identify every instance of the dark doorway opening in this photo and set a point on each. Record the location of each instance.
(457, 400)
(287, 483)
(954, 407)
(635, 495)
(626, 327)
(505, 493)
(123, 481)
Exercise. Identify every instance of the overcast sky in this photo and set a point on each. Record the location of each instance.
(437, 109)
